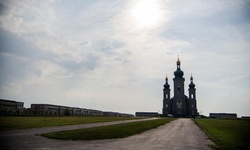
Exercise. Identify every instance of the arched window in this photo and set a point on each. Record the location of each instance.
(178, 89)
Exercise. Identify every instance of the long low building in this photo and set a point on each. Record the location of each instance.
(49, 109)
(222, 115)
(146, 114)
(11, 107)
(116, 114)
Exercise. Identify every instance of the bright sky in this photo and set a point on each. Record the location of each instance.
(114, 55)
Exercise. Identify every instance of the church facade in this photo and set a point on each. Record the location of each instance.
(179, 105)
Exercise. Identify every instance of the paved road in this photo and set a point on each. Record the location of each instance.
(176, 135)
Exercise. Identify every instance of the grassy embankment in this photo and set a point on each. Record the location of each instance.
(108, 132)
(7, 123)
(227, 133)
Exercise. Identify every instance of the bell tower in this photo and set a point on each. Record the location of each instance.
(179, 99)
(166, 99)
(192, 98)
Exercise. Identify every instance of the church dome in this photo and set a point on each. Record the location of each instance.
(191, 85)
(178, 73)
(166, 85)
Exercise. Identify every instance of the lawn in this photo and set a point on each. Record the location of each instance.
(227, 133)
(108, 132)
(7, 123)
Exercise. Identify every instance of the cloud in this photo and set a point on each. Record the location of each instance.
(3, 8)
(96, 55)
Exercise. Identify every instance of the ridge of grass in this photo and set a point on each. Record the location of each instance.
(108, 132)
(228, 134)
(24, 122)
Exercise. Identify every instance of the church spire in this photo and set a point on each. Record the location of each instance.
(178, 62)
(166, 85)
(191, 85)
(178, 72)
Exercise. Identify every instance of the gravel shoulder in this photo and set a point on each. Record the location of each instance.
(178, 134)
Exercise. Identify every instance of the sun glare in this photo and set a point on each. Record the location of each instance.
(146, 13)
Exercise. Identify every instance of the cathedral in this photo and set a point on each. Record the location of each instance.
(179, 105)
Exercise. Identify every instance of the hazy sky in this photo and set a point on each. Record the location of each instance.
(114, 55)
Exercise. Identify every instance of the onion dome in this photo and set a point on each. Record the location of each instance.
(178, 72)
(191, 85)
(166, 85)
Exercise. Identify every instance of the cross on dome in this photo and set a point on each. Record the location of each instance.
(178, 62)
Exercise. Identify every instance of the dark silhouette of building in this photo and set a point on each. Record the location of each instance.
(222, 115)
(11, 107)
(146, 114)
(48, 109)
(180, 105)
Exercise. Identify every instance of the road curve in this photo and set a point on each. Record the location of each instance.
(176, 135)
(33, 131)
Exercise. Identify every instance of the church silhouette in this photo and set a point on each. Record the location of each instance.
(179, 105)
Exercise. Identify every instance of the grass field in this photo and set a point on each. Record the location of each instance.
(228, 134)
(108, 132)
(7, 123)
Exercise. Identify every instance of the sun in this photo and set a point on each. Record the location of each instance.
(146, 13)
